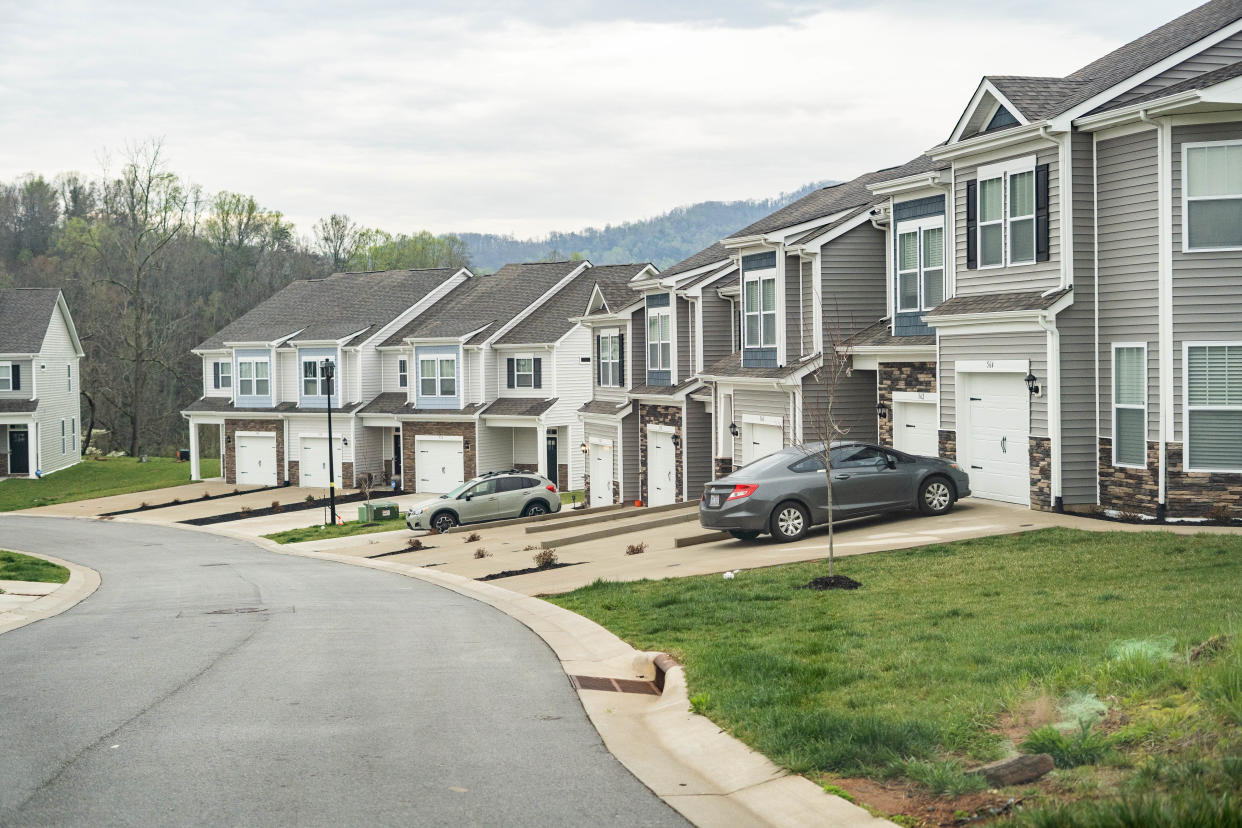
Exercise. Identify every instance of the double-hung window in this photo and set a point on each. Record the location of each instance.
(759, 309)
(610, 359)
(69, 377)
(437, 377)
(6, 376)
(314, 383)
(403, 373)
(524, 372)
(252, 378)
(64, 437)
(659, 340)
(1214, 406)
(1006, 224)
(1212, 196)
(1130, 405)
(224, 374)
(920, 264)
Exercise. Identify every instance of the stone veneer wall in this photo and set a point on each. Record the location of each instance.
(1193, 494)
(723, 466)
(1135, 491)
(668, 415)
(948, 444)
(901, 376)
(347, 475)
(294, 471)
(562, 477)
(231, 427)
(1041, 473)
(533, 468)
(409, 454)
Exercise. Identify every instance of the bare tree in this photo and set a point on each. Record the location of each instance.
(823, 420)
(337, 237)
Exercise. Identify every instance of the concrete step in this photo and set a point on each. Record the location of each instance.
(619, 528)
(624, 513)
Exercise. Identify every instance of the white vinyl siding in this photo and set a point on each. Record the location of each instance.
(1214, 407)
(1130, 405)
(1212, 196)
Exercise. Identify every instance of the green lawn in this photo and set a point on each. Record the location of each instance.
(918, 669)
(98, 478)
(17, 567)
(570, 498)
(351, 527)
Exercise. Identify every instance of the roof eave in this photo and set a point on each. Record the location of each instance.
(917, 181)
(988, 141)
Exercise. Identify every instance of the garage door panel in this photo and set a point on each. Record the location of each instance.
(255, 460)
(439, 464)
(760, 440)
(916, 428)
(997, 451)
(313, 461)
(601, 474)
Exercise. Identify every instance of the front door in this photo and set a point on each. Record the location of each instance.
(661, 468)
(552, 464)
(19, 451)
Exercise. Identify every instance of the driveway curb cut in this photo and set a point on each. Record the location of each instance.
(83, 581)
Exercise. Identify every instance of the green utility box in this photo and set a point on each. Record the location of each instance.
(384, 511)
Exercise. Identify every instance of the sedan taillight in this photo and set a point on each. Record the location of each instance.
(742, 490)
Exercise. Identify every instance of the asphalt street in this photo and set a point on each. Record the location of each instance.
(209, 681)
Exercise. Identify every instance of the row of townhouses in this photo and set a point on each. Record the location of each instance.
(1052, 297)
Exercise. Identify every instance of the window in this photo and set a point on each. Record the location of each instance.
(1130, 405)
(811, 463)
(437, 377)
(223, 372)
(1214, 407)
(6, 377)
(857, 457)
(610, 359)
(69, 378)
(403, 373)
(64, 434)
(314, 384)
(524, 372)
(759, 310)
(920, 264)
(1212, 196)
(1006, 224)
(487, 487)
(73, 433)
(659, 340)
(252, 378)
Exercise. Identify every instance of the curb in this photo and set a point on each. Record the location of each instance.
(82, 582)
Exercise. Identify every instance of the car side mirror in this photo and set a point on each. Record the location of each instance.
(466, 496)
(890, 461)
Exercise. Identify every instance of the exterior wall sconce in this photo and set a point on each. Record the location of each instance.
(228, 441)
(583, 448)
(676, 441)
(881, 410)
(733, 429)
(1032, 385)
(344, 441)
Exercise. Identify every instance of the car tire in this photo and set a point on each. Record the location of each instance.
(535, 507)
(789, 522)
(443, 521)
(936, 496)
(743, 536)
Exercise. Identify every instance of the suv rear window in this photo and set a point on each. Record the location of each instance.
(510, 484)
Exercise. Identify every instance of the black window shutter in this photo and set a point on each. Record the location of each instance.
(1041, 213)
(621, 360)
(17, 377)
(972, 225)
(510, 372)
(215, 374)
(599, 363)
(538, 372)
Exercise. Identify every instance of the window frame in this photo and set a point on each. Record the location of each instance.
(320, 379)
(663, 347)
(254, 377)
(1005, 171)
(610, 366)
(518, 373)
(6, 372)
(226, 373)
(438, 378)
(1117, 346)
(760, 276)
(403, 372)
(1187, 198)
(919, 227)
(64, 437)
(69, 377)
(1187, 407)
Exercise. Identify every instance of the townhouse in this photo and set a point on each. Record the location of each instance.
(40, 380)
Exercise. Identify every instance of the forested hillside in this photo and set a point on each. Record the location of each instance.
(152, 265)
(662, 240)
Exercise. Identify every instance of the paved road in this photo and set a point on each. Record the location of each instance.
(208, 681)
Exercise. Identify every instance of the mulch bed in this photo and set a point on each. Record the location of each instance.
(180, 502)
(509, 573)
(264, 511)
(831, 582)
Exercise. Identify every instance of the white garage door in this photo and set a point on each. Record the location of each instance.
(997, 452)
(661, 468)
(313, 462)
(439, 463)
(915, 428)
(601, 474)
(760, 440)
(256, 460)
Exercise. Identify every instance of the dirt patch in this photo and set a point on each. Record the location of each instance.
(1034, 713)
(923, 809)
(509, 573)
(832, 582)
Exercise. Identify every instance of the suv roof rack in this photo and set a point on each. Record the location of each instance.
(502, 471)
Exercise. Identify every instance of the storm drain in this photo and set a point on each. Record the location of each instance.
(646, 688)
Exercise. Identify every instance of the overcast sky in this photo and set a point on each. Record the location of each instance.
(519, 117)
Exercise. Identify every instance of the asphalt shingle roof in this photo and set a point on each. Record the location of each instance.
(880, 334)
(602, 407)
(18, 406)
(996, 303)
(395, 402)
(224, 405)
(519, 407)
(706, 256)
(731, 366)
(550, 321)
(333, 307)
(1034, 97)
(24, 317)
(486, 301)
(1203, 81)
(663, 390)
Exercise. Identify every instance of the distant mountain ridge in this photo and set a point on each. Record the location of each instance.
(662, 240)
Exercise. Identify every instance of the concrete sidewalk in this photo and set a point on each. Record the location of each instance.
(24, 602)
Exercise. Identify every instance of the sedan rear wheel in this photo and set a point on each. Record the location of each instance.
(935, 496)
(789, 522)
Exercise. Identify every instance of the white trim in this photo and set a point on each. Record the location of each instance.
(1116, 405)
(985, 87)
(438, 438)
(992, 366)
(1095, 292)
(663, 429)
(1164, 186)
(271, 434)
(599, 441)
(1065, 193)
(1186, 346)
(763, 419)
(919, 227)
(1187, 198)
(931, 397)
(656, 313)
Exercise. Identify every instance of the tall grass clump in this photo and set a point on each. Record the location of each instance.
(942, 778)
(1186, 809)
(1086, 747)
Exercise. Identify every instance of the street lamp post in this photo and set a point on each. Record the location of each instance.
(327, 370)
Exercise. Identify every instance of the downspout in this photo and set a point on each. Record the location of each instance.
(1053, 398)
(1164, 270)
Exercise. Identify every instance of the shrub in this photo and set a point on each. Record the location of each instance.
(1086, 747)
(1220, 513)
(545, 558)
(310, 499)
(413, 544)
(531, 547)
(276, 507)
(482, 553)
(206, 496)
(636, 548)
(473, 537)
(245, 511)
(700, 703)
(943, 778)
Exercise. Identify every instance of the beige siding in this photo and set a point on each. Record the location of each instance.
(1032, 346)
(288, 376)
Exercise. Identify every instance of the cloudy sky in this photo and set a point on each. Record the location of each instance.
(524, 116)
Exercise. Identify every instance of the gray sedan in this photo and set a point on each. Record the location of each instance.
(784, 493)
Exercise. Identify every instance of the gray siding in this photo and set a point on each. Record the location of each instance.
(27, 379)
(716, 324)
(853, 408)
(764, 404)
(698, 454)
(1032, 346)
(1076, 325)
(637, 346)
(683, 334)
(1037, 276)
(807, 310)
(1126, 192)
(852, 267)
(1224, 53)
(793, 309)
(1207, 287)
(629, 477)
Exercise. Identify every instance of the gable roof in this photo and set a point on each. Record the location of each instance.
(614, 283)
(332, 308)
(484, 303)
(708, 255)
(1196, 83)
(550, 321)
(25, 314)
(1034, 97)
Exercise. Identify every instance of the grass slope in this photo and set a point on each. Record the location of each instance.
(323, 532)
(99, 478)
(920, 664)
(17, 567)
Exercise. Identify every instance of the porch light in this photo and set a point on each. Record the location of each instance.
(733, 429)
(881, 410)
(676, 440)
(1031, 384)
(344, 441)
(583, 448)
